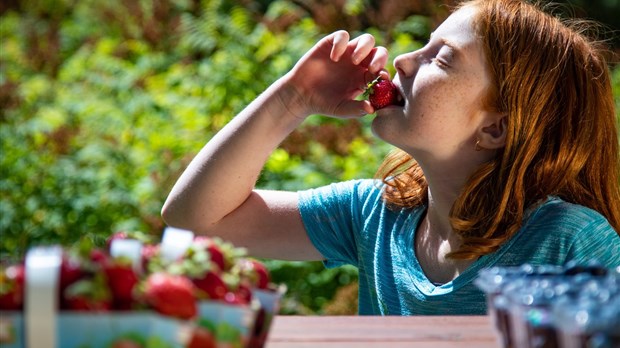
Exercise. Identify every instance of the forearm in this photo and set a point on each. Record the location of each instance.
(221, 177)
(218, 182)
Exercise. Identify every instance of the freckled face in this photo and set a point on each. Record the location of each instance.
(444, 84)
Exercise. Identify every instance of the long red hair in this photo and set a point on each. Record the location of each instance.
(553, 83)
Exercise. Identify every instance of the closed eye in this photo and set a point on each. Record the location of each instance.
(440, 63)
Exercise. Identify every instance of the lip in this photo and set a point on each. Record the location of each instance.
(391, 107)
(401, 95)
(388, 110)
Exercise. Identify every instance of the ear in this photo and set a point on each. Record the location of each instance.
(492, 134)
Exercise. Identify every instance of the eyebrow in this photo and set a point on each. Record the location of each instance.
(452, 45)
(456, 48)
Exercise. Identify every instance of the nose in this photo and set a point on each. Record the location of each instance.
(407, 64)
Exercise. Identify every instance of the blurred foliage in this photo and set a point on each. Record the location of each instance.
(104, 103)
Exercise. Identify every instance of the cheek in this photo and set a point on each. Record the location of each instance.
(444, 97)
(430, 91)
(473, 92)
(432, 98)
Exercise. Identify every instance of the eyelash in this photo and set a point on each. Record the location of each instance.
(439, 63)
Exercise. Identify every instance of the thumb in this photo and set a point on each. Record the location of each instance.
(353, 109)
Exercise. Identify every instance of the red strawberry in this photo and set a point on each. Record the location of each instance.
(121, 279)
(12, 287)
(88, 294)
(255, 272)
(215, 252)
(382, 93)
(71, 270)
(217, 256)
(171, 295)
(84, 303)
(243, 294)
(77, 264)
(212, 285)
(98, 256)
(201, 338)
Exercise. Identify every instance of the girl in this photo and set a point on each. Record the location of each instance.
(508, 154)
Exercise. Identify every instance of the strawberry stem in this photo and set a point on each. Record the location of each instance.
(370, 85)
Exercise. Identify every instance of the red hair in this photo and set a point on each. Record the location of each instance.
(553, 83)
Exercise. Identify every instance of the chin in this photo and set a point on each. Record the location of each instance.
(379, 127)
(389, 128)
(390, 109)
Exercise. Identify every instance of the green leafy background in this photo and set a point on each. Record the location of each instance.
(104, 103)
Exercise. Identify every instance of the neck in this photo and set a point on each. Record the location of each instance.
(444, 188)
(446, 180)
(435, 238)
(438, 213)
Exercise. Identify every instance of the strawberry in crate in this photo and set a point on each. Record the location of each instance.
(12, 277)
(150, 255)
(209, 261)
(256, 276)
(12, 299)
(83, 285)
(122, 278)
(254, 273)
(208, 264)
(203, 267)
(98, 279)
(171, 295)
(90, 293)
(221, 253)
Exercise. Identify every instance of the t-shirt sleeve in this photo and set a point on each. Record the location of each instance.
(332, 216)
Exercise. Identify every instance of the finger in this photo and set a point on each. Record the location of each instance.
(384, 74)
(379, 58)
(368, 77)
(339, 41)
(354, 108)
(364, 45)
(371, 76)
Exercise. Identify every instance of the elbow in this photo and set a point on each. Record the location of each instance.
(174, 216)
(184, 216)
(167, 214)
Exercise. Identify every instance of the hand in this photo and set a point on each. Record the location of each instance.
(329, 77)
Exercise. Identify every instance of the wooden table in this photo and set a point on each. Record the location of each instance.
(385, 332)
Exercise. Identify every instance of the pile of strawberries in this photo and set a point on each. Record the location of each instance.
(91, 279)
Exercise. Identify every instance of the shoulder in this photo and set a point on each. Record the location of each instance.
(565, 215)
(570, 231)
(360, 189)
(346, 201)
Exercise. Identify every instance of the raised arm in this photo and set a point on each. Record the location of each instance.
(215, 195)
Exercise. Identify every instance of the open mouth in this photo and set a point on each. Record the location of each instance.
(382, 93)
(399, 100)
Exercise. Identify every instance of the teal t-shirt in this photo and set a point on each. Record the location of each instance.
(349, 223)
